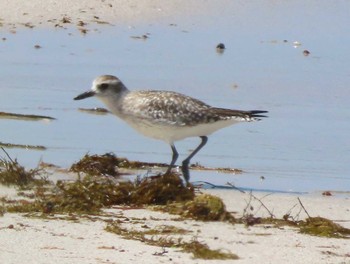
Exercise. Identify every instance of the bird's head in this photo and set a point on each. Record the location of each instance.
(103, 86)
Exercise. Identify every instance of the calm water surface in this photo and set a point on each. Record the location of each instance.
(304, 145)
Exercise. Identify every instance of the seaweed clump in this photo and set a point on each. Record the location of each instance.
(91, 194)
(96, 165)
(204, 207)
(319, 226)
(161, 190)
(12, 173)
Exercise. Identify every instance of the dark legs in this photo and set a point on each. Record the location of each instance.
(185, 163)
(173, 160)
(185, 170)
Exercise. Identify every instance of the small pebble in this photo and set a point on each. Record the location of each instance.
(306, 53)
(220, 46)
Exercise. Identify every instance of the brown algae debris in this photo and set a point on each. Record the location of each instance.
(91, 194)
(88, 195)
(108, 164)
(94, 192)
(198, 249)
(11, 173)
(93, 165)
(161, 190)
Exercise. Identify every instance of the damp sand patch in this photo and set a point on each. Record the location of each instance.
(22, 146)
(24, 117)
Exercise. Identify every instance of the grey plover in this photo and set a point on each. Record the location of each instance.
(166, 115)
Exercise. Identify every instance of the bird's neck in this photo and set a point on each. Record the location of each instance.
(114, 100)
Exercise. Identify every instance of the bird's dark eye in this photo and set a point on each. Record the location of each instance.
(103, 86)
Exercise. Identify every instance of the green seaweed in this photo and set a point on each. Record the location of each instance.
(202, 251)
(204, 207)
(198, 249)
(319, 226)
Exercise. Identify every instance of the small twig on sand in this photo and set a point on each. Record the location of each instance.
(263, 205)
(7, 154)
(303, 207)
(252, 196)
(248, 204)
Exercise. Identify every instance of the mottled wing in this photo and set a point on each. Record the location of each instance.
(181, 110)
(166, 107)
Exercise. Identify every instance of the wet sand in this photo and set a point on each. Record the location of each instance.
(65, 13)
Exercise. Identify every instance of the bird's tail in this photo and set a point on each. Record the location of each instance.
(257, 114)
(239, 115)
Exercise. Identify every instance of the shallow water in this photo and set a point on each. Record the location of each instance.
(302, 146)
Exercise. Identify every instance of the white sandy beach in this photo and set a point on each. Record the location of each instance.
(86, 241)
(30, 240)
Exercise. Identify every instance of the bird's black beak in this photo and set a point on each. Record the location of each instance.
(85, 95)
